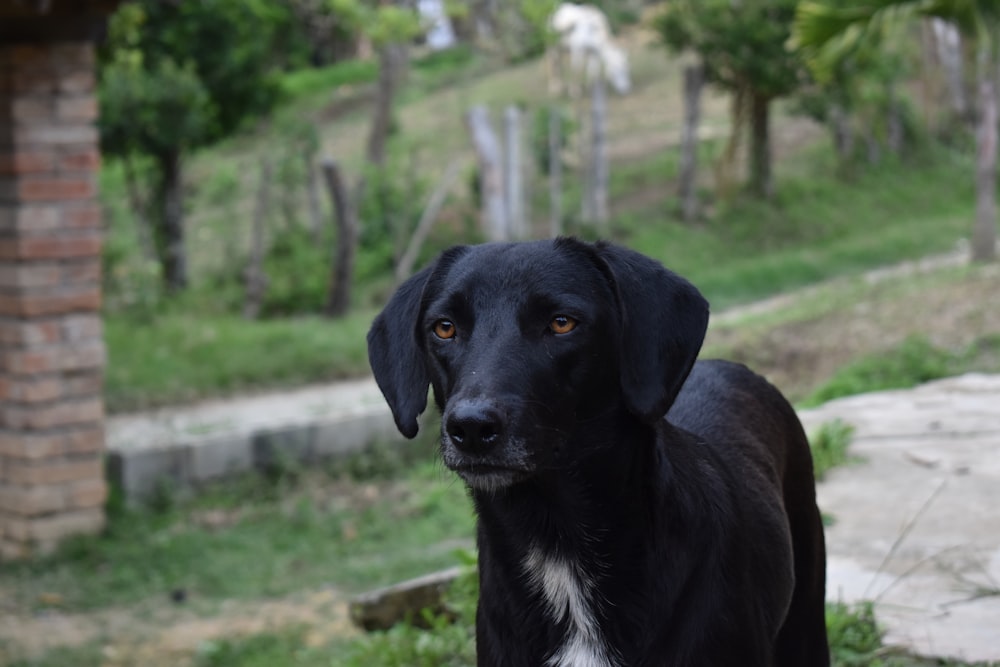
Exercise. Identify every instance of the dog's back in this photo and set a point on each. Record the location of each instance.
(722, 403)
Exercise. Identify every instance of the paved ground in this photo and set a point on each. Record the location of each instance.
(916, 521)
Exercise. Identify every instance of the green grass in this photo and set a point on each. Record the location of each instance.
(829, 446)
(177, 357)
(913, 362)
(818, 227)
(400, 515)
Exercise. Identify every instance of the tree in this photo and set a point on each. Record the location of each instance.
(175, 76)
(742, 46)
(824, 32)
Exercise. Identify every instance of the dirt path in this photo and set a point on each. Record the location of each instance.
(163, 634)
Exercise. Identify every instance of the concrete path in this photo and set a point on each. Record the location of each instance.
(916, 521)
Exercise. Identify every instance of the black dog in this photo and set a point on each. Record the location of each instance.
(608, 534)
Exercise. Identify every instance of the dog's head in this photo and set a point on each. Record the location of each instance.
(523, 343)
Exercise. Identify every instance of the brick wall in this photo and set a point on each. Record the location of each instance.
(51, 346)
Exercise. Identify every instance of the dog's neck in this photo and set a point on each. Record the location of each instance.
(578, 505)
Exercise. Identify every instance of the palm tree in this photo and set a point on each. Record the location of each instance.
(825, 31)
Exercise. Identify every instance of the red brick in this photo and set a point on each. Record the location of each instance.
(81, 272)
(55, 358)
(47, 189)
(76, 80)
(82, 384)
(80, 160)
(30, 275)
(26, 163)
(56, 471)
(87, 493)
(51, 247)
(32, 80)
(83, 356)
(85, 440)
(31, 361)
(55, 133)
(16, 332)
(31, 446)
(83, 107)
(30, 217)
(33, 500)
(73, 55)
(44, 532)
(30, 389)
(31, 108)
(82, 216)
(51, 302)
(51, 415)
(76, 328)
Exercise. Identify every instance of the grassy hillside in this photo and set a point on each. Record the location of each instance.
(820, 225)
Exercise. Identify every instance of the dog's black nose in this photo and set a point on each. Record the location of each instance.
(474, 427)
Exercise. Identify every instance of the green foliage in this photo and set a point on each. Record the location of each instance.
(855, 638)
(741, 45)
(158, 109)
(212, 62)
(540, 134)
(327, 79)
(298, 274)
(285, 647)
(829, 446)
(915, 361)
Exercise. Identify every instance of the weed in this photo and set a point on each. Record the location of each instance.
(829, 446)
(913, 362)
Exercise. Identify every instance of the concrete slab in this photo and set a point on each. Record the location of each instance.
(185, 446)
(916, 523)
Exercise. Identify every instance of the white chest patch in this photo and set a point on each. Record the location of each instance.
(567, 592)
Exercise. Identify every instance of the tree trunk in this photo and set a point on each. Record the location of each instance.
(596, 195)
(694, 80)
(948, 41)
(491, 187)
(173, 256)
(984, 234)
(513, 173)
(843, 135)
(761, 178)
(555, 172)
(342, 271)
(391, 61)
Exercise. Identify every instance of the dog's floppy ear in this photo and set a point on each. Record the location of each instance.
(396, 357)
(663, 324)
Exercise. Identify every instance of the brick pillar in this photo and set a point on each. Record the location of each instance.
(51, 346)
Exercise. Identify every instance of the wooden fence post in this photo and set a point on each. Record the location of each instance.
(694, 80)
(514, 174)
(596, 195)
(491, 186)
(555, 172)
(342, 271)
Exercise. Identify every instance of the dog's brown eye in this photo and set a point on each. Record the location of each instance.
(444, 329)
(561, 324)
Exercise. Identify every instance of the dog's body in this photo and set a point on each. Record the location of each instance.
(608, 535)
